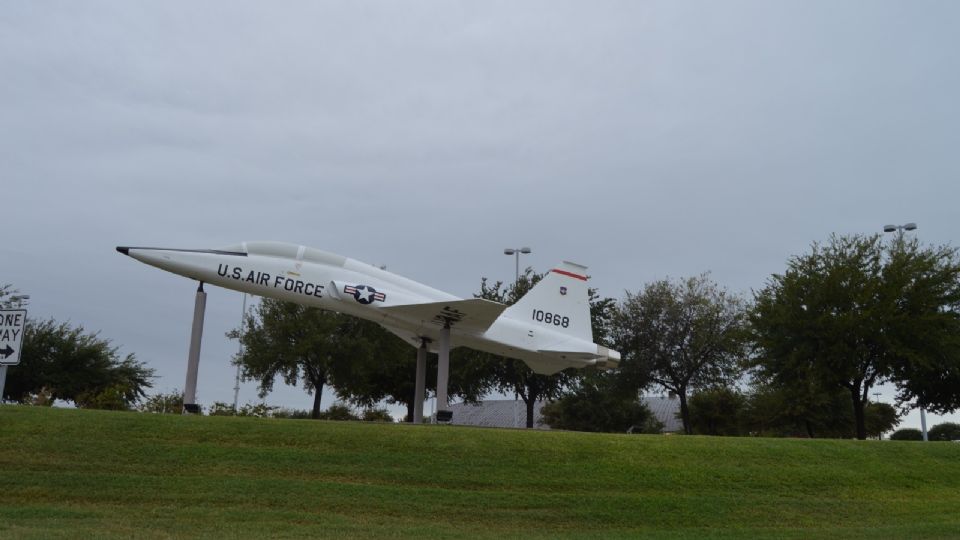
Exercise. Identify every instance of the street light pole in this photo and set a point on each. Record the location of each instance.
(516, 252)
(236, 385)
(899, 229)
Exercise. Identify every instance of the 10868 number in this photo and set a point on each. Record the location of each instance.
(540, 315)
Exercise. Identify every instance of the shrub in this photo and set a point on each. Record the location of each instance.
(947, 431)
(171, 403)
(906, 434)
(112, 398)
(260, 410)
(597, 406)
(377, 415)
(338, 412)
(717, 411)
(293, 414)
(220, 408)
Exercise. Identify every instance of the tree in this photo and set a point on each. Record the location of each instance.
(297, 343)
(855, 313)
(64, 362)
(598, 405)
(880, 418)
(717, 411)
(923, 324)
(364, 363)
(947, 431)
(907, 434)
(382, 368)
(796, 409)
(681, 335)
(804, 410)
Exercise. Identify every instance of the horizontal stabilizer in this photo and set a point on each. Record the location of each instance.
(472, 315)
(604, 358)
(548, 366)
(569, 355)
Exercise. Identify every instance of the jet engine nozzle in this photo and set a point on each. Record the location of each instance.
(608, 358)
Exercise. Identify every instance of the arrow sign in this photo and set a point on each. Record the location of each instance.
(12, 323)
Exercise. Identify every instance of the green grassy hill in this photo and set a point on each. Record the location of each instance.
(76, 473)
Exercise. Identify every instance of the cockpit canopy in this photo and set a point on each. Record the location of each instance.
(284, 250)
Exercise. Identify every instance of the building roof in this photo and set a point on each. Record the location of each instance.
(497, 413)
(666, 410)
(505, 413)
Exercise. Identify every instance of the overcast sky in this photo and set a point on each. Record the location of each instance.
(643, 139)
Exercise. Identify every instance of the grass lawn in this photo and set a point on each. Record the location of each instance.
(78, 473)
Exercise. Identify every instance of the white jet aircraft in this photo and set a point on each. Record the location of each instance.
(549, 328)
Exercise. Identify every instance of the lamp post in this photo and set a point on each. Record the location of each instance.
(236, 385)
(899, 229)
(516, 253)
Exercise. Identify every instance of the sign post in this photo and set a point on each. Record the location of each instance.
(12, 323)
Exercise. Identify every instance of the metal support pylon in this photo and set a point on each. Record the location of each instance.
(420, 390)
(444, 414)
(193, 359)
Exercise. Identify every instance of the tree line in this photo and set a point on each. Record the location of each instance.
(797, 357)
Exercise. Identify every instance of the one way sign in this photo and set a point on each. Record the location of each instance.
(12, 322)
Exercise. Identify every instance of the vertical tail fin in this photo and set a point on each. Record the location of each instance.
(559, 301)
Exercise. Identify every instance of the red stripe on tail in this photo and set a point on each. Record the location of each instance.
(570, 274)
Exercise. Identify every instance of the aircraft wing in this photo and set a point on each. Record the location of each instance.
(472, 315)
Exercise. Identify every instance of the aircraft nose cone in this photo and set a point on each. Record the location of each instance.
(124, 250)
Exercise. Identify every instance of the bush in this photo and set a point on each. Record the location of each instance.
(906, 434)
(377, 415)
(260, 410)
(171, 403)
(220, 408)
(71, 364)
(112, 398)
(597, 406)
(947, 431)
(292, 414)
(717, 411)
(880, 418)
(338, 412)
